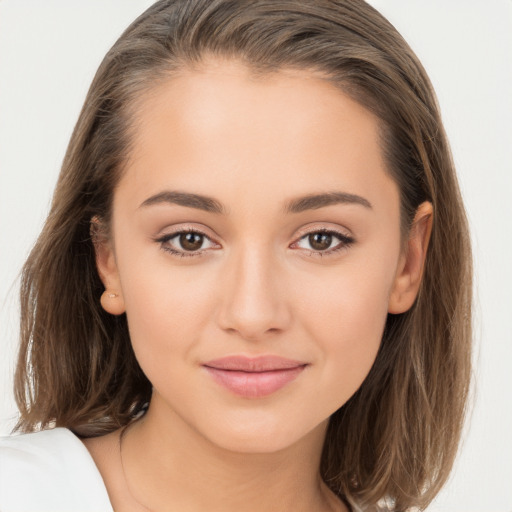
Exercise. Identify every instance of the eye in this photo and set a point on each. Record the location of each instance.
(186, 243)
(324, 242)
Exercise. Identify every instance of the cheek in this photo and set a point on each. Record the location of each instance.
(347, 318)
(165, 309)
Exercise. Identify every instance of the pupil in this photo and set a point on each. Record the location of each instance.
(320, 241)
(191, 241)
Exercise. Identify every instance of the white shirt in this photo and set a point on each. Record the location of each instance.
(49, 471)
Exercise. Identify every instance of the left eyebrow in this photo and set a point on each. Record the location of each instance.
(315, 201)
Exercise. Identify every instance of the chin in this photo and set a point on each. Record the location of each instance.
(255, 444)
(259, 436)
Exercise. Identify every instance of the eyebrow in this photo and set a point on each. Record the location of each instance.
(296, 205)
(315, 201)
(200, 202)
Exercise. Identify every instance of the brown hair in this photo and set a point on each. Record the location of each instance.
(396, 438)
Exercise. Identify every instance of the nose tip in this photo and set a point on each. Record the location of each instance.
(252, 312)
(252, 303)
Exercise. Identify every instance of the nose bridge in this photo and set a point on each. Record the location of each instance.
(252, 303)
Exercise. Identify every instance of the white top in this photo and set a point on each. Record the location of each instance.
(49, 471)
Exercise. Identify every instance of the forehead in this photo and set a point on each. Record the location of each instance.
(218, 91)
(220, 129)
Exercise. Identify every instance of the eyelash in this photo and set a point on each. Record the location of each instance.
(345, 243)
(181, 254)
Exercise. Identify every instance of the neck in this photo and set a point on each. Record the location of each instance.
(169, 466)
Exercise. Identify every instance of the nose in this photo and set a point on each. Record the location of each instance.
(253, 295)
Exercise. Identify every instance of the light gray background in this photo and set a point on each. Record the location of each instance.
(49, 52)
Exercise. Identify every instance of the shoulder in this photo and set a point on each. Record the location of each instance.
(49, 470)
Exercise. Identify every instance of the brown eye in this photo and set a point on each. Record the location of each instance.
(320, 241)
(191, 241)
(324, 242)
(186, 243)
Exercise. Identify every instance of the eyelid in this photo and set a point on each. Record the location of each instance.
(345, 241)
(318, 228)
(185, 228)
(324, 227)
(166, 236)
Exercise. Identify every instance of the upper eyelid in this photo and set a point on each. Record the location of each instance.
(341, 232)
(302, 232)
(184, 229)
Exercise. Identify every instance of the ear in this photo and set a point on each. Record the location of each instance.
(410, 269)
(112, 298)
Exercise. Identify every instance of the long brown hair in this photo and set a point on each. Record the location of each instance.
(396, 438)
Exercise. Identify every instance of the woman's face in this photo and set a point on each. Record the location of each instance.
(267, 316)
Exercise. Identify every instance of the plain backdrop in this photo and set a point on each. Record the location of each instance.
(49, 52)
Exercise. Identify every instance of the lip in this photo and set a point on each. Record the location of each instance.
(254, 377)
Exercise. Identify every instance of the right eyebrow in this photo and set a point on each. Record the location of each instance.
(208, 204)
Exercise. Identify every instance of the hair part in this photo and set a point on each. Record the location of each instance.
(396, 438)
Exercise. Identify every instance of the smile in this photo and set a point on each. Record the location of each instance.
(254, 377)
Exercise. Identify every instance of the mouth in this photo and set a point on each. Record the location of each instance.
(254, 377)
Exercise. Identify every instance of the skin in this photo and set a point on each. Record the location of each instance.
(258, 286)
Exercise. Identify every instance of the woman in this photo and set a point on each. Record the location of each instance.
(253, 289)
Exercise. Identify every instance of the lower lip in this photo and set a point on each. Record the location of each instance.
(254, 384)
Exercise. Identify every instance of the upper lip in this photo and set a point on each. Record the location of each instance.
(253, 364)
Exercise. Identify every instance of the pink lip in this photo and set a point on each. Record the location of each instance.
(254, 377)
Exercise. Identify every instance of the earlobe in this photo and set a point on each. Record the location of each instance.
(410, 270)
(112, 303)
(112, 298)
